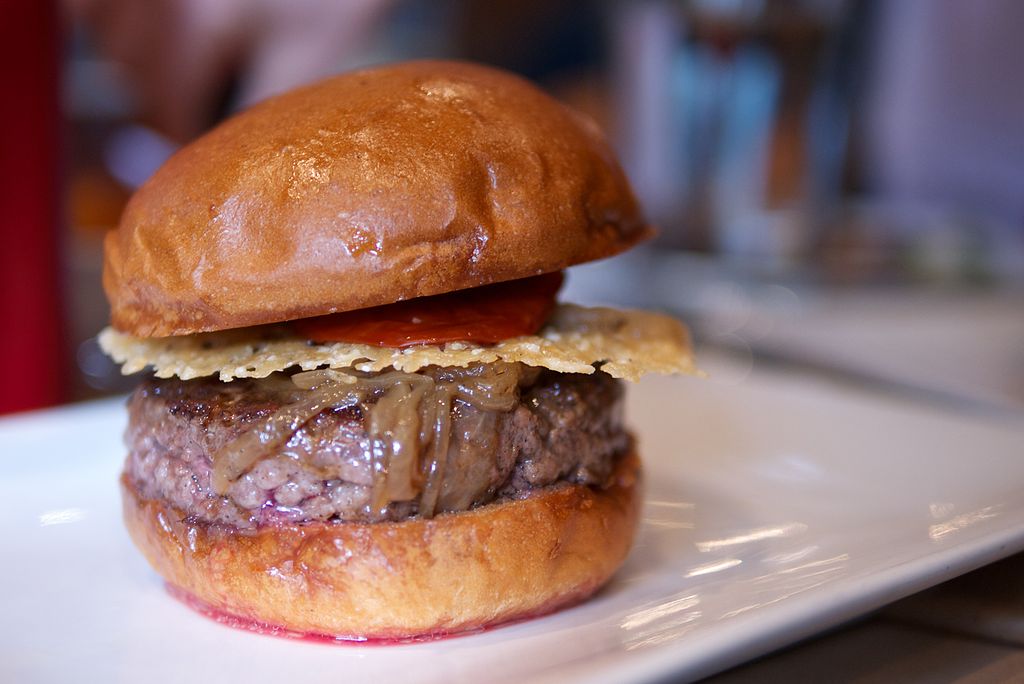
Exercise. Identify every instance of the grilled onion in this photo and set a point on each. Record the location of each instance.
(408, 417)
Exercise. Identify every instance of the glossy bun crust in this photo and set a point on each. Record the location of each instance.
(365, 189)
(416, 578)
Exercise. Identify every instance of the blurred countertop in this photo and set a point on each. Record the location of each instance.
(938, 342)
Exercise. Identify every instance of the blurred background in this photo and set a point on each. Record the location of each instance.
(839, 184)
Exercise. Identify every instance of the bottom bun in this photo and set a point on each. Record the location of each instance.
(399, 580)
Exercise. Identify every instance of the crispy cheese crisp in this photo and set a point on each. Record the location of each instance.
(624, 344)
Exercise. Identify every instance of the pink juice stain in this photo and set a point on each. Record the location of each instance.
(266, 628)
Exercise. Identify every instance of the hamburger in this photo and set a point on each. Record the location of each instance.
(366, 416)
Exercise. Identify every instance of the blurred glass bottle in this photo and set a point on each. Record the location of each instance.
(733, 118)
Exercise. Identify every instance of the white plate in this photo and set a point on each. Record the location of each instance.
(776, 507)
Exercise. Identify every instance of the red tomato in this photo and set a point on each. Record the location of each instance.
(484, 315)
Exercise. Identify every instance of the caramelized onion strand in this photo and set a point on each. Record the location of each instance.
(439, 452)
(409, 423)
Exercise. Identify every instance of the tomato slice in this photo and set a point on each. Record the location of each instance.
(485, 315)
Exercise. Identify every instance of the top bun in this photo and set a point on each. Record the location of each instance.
(365, 189)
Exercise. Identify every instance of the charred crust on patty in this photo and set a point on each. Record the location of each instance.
(563, 428)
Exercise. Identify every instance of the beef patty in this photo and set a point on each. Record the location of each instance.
(560, 428)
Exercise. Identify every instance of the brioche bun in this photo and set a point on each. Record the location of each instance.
(420, 577)
(365, 189)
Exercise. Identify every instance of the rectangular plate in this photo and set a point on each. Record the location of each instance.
(776, 507)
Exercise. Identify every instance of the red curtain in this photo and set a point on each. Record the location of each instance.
(32, 356)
